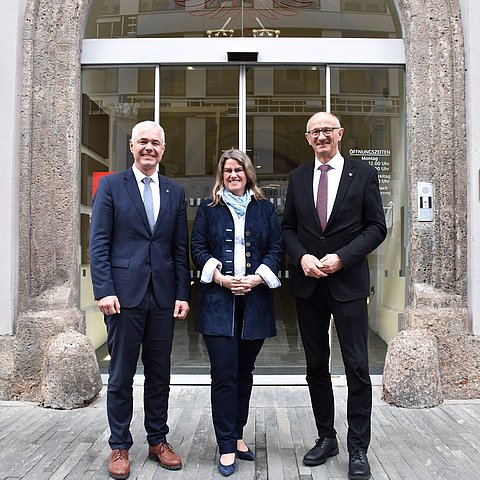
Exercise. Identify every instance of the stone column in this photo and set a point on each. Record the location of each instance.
(437, 250)
(49, 202)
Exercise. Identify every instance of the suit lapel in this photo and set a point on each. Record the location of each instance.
(308, 187)
(164, 197)
(346, 179)
(132, 188)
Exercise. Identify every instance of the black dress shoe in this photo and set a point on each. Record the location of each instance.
(358, 466)
(324, 447)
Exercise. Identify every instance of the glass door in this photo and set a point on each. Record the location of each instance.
(199, 110)
(370, 104)
(262, 109)
(279, 101)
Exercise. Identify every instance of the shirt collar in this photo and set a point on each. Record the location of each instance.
(336, 162)
(139, 176)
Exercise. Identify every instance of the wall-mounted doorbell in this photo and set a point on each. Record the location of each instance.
(425, 201)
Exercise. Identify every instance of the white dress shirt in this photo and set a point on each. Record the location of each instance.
(334, 175)
(154, 185)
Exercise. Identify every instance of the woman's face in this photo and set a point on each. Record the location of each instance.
(234, 177)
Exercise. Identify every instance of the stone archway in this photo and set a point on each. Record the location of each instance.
(49, 187)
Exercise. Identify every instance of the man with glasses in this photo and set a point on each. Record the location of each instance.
(333, 219)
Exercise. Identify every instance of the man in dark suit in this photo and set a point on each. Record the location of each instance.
(331, 278)
(141, 281)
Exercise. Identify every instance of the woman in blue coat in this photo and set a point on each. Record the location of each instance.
(236, 243)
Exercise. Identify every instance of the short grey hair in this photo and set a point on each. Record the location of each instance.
(147, 123)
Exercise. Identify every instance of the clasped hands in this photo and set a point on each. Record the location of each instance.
(237, 284)
(319, 268)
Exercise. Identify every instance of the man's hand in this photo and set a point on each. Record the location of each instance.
(109, 305)
(312, 266)
(331, 263)
(181, 309)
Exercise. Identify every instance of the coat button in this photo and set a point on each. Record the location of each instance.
(248, 244)
(248, 265)
(247, 233)
(322, 239)
(247, 254)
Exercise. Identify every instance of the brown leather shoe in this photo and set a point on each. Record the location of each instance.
(163, 453)
(118, 464)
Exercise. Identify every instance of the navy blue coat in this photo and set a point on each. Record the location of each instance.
(125, 253)
(213, 236)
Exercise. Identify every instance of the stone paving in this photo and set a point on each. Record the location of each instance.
(438, 443)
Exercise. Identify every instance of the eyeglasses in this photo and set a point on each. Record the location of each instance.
(327, 131)
(229, 171)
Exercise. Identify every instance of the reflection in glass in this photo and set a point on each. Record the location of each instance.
(113, 101)
(279, 103)
(370, 105)
(244, 18)
(199, 111)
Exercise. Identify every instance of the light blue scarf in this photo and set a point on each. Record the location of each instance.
(239, 204)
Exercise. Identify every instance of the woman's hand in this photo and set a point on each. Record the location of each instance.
(238, 284)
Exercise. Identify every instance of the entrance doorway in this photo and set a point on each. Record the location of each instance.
(262, 109)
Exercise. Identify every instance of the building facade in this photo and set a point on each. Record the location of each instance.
(401, 76)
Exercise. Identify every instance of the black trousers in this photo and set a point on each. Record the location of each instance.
(351, 322)
(232, 362)
(150, 327)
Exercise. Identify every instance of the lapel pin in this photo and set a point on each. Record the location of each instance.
(167, 190)
(350, 174)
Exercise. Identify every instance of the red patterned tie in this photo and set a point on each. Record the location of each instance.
(322, 195)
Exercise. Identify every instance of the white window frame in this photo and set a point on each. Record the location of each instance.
(278, 51)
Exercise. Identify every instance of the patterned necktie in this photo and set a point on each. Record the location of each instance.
(148, 201)
(322, 195)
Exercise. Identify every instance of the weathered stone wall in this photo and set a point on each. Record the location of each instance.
(438, 250)
(49, 203)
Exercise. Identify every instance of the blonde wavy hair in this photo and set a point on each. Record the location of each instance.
(244, 160)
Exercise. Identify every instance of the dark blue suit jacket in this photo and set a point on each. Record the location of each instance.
(125, 253)
(355, 228)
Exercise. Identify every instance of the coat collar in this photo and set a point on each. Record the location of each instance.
(349, 169)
